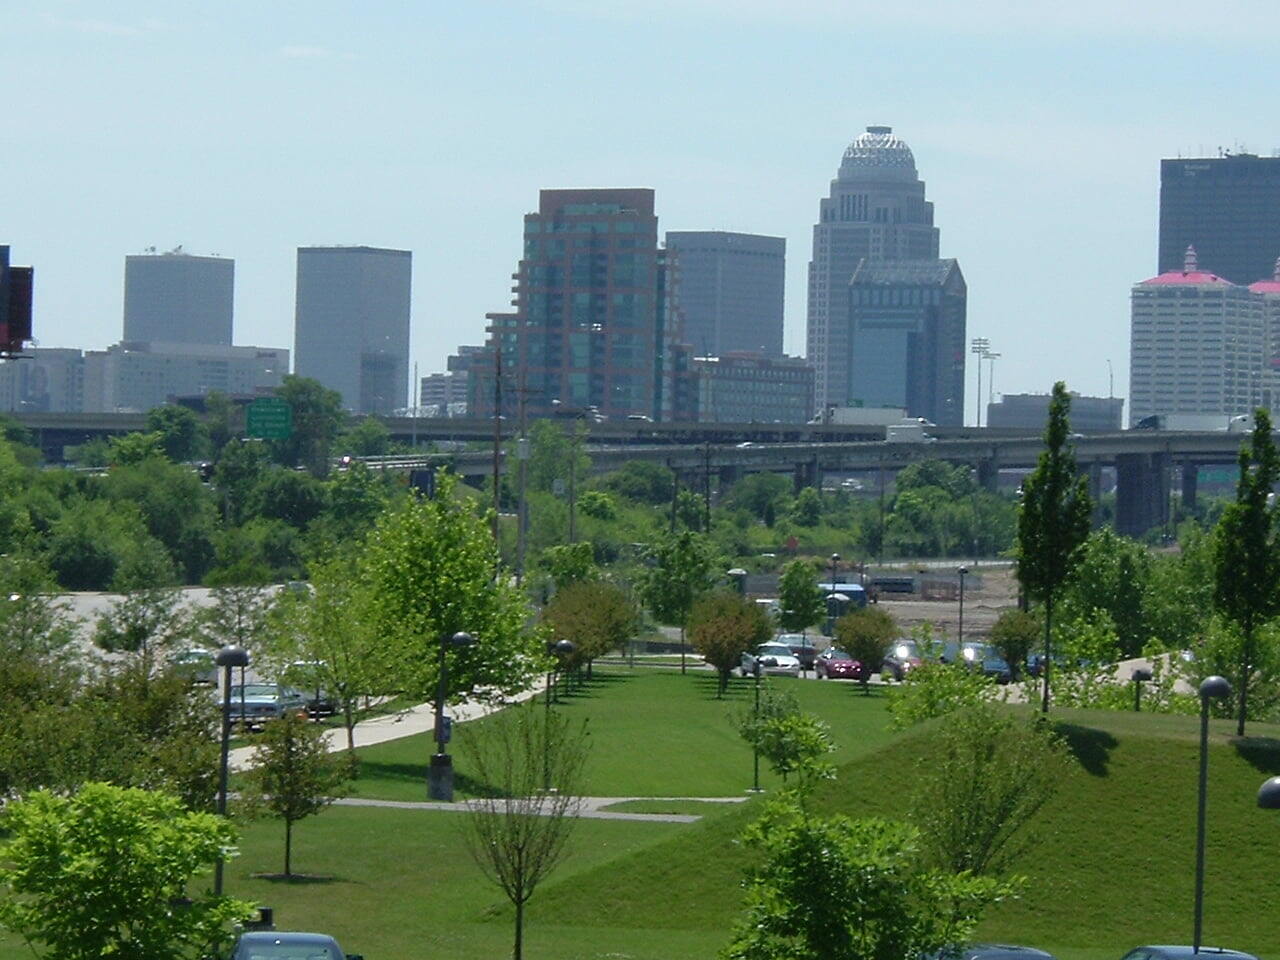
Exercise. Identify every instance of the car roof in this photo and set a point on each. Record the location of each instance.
(287, 936)
(993, 950)
(1183, 950)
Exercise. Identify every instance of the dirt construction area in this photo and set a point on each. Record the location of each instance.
(987, 592)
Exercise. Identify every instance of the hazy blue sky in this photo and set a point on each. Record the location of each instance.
(248, 129)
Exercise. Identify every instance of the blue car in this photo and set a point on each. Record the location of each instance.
(1185, 953)
(278, 945)
(991, 951)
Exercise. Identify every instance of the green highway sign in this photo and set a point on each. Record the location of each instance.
(269, 418)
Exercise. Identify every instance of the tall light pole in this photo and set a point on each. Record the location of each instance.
(1139, 676)
(1211, 688)
(978, 346)
(440, 773)
(755, 747)
(226, 658)
(962, 572)
(561, 650)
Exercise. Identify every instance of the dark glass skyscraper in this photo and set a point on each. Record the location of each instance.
(876, 211)
(592, 324)
(906, 335)
(1228, 208)
(729, 290)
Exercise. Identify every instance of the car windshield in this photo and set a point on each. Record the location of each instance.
(838, 655)
(906, 650)
(774, 650)
(255, 690)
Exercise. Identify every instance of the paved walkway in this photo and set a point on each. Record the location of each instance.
(393, 726)
(591, 809)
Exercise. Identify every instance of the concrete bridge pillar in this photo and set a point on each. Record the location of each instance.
(1142, 492)
(989, 475)
(806, 474)
(1190, 480)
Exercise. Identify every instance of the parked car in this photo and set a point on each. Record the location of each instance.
(834, 664)
(904, 656)
(196, 664)
(279, 945)
(990, 951)
(1185, 953)
(802, 648)
(982, 657)
(253, 704)
(305, 675)
(776, 659)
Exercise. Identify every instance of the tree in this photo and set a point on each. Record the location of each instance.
(866, 635)
(799, 597)
(135, 448)
(1246, 552)
(143, 622)
(807, 510)
(222, 419)
(956, 481)
(1053, 521)
(983, 778)
(367, 438)
(287, 495)
(642, 482)
(97, 875)
(427, 570)
(317, 416)
(723, 626)
(679, 570)
(328, 628)
(878, 899)
(1013, 635)
(790, 740)
(595, 616)
(293, 775)
(516, 832)
(555, 449)
(760, 494)
(34, 622)
(237, 617)
(1112, 574)
(570, 562)
(241, 464)
(938, 690)
(176, 507)
(181, 433)
(598, 505)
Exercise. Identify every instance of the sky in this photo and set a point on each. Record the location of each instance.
(247, 129)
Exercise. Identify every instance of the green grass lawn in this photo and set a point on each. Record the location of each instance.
(653, 733)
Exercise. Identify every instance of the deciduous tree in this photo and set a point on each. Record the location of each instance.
(99, 874)
(1053, 520)
(799, 597)
(1246, 553)
(595, 616)
(866, 635)
(723, 626)
(516, 831)
(293, 776)
(679, 570)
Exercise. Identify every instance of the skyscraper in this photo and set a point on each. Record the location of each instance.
(1228, 208)
(351, 327)
(906, 338)
(876, 210)
(729, 291)
(175, 297)
(1197, 344)
(592, 325)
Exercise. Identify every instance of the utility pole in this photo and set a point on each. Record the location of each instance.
(706, 487)
(497, 435)
(573, 484)
(675, 494)
(415, 398)
(522, 463)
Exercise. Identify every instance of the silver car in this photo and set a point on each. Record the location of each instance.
(273, 945)
(775, 659)
(253, 704)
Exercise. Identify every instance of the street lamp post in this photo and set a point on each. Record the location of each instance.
(835, 559)
(755, 747)
(1139, 676)
(226, 658)
(440, 773)
(1211, 688)
(962, 571)
(738, 577)
(561, 650)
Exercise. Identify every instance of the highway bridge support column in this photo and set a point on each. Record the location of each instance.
(989, 475)
(1142, 492)
(1190, 479)
(729, 475)
(806, 474)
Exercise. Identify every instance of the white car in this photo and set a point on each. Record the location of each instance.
(775, 659)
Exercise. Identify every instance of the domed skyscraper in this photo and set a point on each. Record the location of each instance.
(877, 213)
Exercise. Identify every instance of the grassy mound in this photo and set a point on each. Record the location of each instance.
(1113, 866)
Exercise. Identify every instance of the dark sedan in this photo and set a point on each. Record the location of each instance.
(1185, 953)
(991, 951)
(835, 664)
(903, 657)
(274, 945)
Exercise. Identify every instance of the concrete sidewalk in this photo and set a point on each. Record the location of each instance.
(393, 726)
(592, 807)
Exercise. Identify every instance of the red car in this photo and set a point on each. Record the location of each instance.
(835, 664)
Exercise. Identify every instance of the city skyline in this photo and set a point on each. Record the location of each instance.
(248, 133)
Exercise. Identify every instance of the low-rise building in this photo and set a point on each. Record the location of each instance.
(44, 380)
(1031, 410)
(134, 376)
(744, 387)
